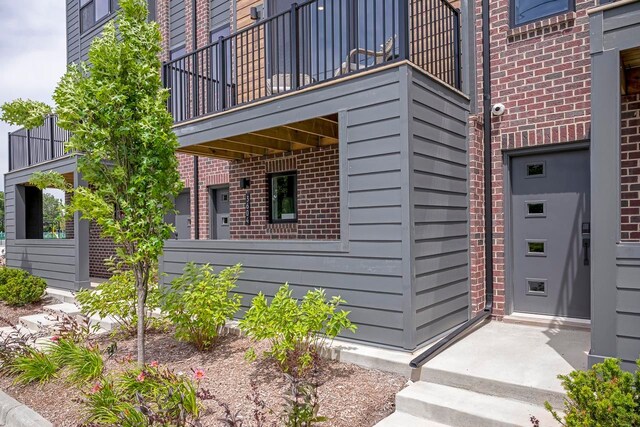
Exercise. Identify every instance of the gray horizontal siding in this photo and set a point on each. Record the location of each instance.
(398, 297)
(53, 260)
(176, 23)
(366, 267)
(219, 13)
(439, 204)
(73, 31)
(628, 304)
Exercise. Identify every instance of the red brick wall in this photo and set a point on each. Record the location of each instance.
(630, 169)
(318, 196)
(100, 248)
(541, 73)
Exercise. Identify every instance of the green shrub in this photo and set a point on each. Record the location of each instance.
(296, 331)
(34, 366)
(117, 298)
(605, 395)
(200, 302)
(18, 287)
(84, 363)
(152, 395)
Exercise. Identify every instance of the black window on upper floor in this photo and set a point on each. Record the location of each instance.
(526, 11)
(94, 11)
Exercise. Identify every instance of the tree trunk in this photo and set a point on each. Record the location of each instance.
(142, 297)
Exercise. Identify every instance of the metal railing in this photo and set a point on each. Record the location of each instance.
(28, 147)
(314, 42)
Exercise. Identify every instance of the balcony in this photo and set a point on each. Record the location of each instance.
(310, 44)
(28, 147)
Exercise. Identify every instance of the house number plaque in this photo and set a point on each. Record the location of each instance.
(247, 208)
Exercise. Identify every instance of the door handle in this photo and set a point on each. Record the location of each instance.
(586, 241)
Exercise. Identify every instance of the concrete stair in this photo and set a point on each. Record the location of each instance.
(500, 375)
(458, 407)
(37, 322)
(401, 419)
(64, 307)
(61, 295)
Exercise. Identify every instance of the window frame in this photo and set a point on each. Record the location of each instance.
(96, 22)
(571, 7)
(270, 177)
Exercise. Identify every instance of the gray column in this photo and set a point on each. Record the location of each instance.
(605, 200)
(81, 239)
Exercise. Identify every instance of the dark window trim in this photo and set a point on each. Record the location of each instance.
(270, 177)
(571, 7)
(97, 23)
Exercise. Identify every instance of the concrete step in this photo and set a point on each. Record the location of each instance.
(6, 330)
(106, 323)
(548, 321)
(457, 407)
(62, 308)
(512, 361)
(400, 419)
(61, 295)
(37, 322)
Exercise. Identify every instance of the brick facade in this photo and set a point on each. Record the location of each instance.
(541, 73)
(318, 195)
(100, 248)
(630, 169)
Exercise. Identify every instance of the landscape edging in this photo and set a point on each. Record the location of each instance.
(16, 414)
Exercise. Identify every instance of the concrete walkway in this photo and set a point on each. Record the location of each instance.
(498, 375)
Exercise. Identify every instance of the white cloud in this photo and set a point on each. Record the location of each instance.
(34, 55)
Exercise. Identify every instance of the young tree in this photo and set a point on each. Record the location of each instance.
(52, 213)
(115, 108)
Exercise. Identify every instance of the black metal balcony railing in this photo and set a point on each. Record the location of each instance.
(310, 43)
(32, 146)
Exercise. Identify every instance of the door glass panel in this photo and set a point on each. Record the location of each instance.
(536, 287)
(535, 169)
(535, 209)
(535, 248)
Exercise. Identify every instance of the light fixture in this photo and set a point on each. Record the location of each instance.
(320, 8)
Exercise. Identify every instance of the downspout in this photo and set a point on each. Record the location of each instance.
(196, 175)
(488, 219)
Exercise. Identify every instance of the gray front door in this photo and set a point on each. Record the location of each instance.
(183, 215)
(549, 212)
(219, 213)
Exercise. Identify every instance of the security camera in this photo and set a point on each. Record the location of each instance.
(498, 109)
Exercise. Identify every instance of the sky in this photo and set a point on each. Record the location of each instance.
(33, 55)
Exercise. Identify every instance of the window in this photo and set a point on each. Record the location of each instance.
(93, 11)
(525, 11)
(283, 197)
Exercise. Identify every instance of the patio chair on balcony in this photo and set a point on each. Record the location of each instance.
(352, 62)
(280, 83)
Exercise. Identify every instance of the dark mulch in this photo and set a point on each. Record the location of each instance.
(350, 396)
(9, 315)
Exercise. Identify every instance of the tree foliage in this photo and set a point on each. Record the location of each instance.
(115, 108)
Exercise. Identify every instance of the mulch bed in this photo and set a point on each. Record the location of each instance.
(350, 396)
(9, 315)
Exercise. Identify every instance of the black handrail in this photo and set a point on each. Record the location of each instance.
(314, 42)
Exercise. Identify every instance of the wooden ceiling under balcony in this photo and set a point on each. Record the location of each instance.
(630, 71)
(317, 132)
